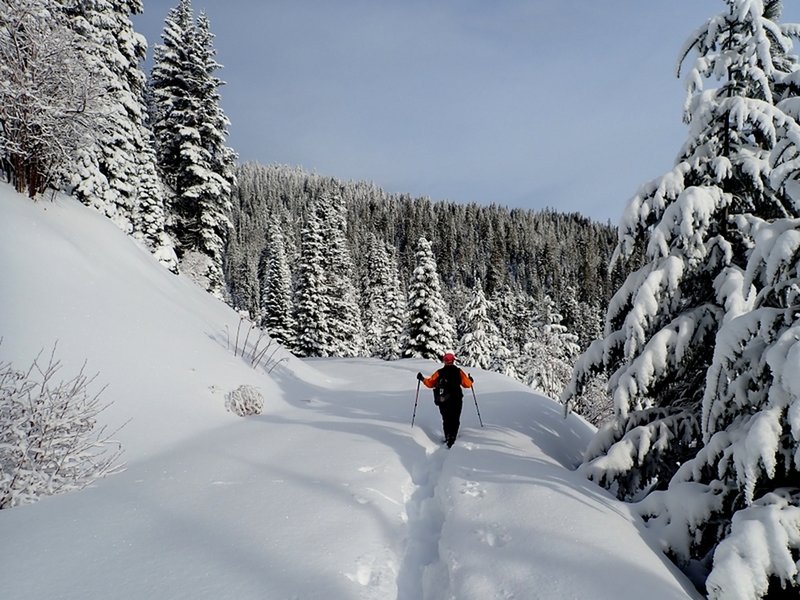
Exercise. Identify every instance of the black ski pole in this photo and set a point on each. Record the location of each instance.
(414, 416)
(476, 405)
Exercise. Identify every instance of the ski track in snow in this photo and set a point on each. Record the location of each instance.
(422, 573)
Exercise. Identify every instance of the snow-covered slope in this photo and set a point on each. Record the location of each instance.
(328, 494)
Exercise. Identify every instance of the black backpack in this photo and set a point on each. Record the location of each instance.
(448, 386)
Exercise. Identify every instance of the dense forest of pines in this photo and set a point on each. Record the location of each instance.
(538, 270)
(544, 252)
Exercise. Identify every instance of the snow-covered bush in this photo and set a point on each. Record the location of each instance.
(549, 355)
(48, 442)
(244, 401)
(595, 404)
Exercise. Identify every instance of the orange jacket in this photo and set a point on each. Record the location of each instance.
(431, 381)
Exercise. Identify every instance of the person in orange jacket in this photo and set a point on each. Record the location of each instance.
(446, 384)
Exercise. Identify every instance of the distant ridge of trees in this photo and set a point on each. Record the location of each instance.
(410, 272)
(534, 252)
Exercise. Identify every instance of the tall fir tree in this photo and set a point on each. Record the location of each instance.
(430, 329)
(312, 337)
(340, 292)
(394, 316)
(376, 286)
(117, 172)
(480, 344)
(731, 513)
(276, 298)
(190, 130)
(691, 227)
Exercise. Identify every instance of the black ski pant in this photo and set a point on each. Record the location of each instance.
(451, 418)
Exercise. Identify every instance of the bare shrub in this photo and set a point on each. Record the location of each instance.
(244, 401)
(48, 442)
(255, 345)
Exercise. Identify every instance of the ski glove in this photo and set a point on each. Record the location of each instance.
(420, 376)
(471, 379)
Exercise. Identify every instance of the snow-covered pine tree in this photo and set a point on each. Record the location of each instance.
(340, 292)
(312, 337)
(480, 344)
(394, 309)
(117, 172)
(276, 291)
(689, 225)
(580, 317)
(430, 329)
(376, 286)
(516, 317)
(190, 129)
(548, 357)
(167, 93)
(214, 124)
(735, 508)
(745, 509)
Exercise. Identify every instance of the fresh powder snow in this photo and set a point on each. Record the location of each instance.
(329, 493)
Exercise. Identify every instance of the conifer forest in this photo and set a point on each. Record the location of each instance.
(540, 278)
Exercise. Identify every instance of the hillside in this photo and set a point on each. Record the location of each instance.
(328, 494)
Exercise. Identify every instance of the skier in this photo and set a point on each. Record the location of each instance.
(447, 395)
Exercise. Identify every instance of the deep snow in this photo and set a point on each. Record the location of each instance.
(328, 494)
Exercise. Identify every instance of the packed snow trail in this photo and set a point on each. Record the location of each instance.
(425, 519)
(328, 495)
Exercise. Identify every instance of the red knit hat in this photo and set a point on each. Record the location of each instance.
(449, 358)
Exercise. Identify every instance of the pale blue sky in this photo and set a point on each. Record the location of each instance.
(568, 104)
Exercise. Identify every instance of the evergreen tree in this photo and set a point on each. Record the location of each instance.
(580, 317)
(214, 123)
(394, 316)
(738, 501)
(430, 329)
(169, 93)
(731, 511)
(276, 305)
(340, 292)
(691, 227)
(312, 337)
(117, 173)
(377, 285)
(328, 318)
(190, 129)
(548, 357)
(480, 344)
